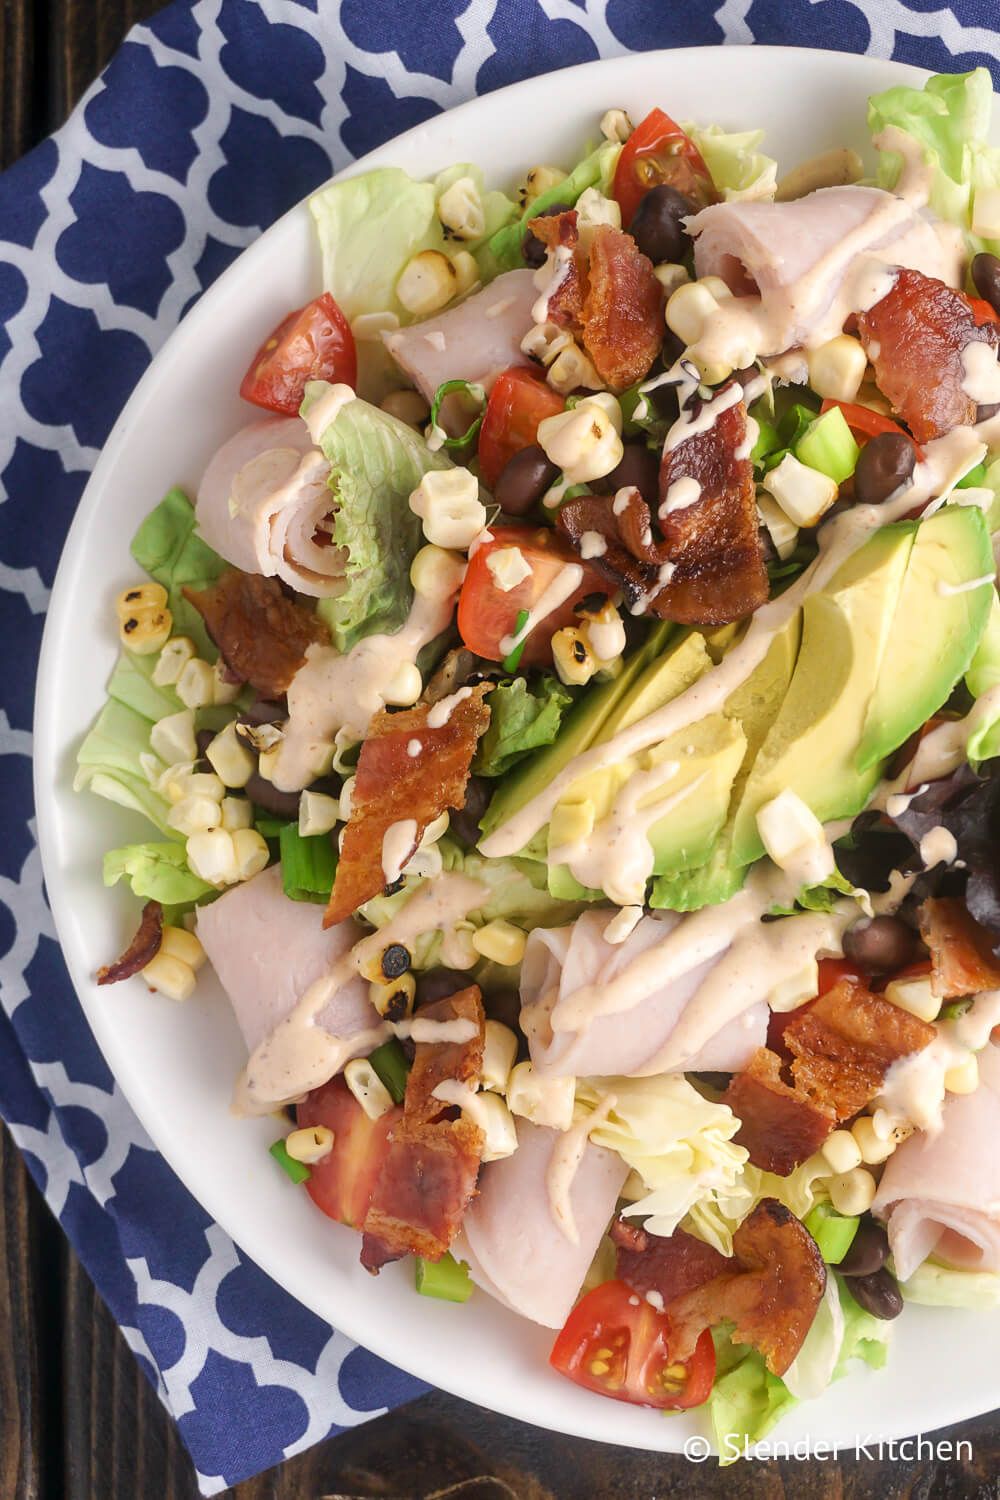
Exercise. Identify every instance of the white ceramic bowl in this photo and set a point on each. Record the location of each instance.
(176, 1063)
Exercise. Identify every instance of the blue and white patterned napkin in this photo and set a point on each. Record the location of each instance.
(211, 121)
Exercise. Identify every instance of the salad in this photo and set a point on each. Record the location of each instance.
(567, 720)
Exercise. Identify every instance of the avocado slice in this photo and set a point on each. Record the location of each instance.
(935, 632)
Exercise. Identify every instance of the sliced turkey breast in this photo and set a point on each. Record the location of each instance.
(475, 341)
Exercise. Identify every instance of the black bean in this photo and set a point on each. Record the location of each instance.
(531, 246)
(203, 739)
(880, 944)
(523, 481)
(986, 278)
(886, 462)
(437, 983)
(869, 1250)
(265, 794)
(656, 224)
(878, 1294)
(464, 821)
(639, 466)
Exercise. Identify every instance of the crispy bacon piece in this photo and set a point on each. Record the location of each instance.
(770, 1291)
(609, 298)
(915, 337)
(779, 1125)
(393, 786)
(143, 947)
(261, 634)
(671, 1265)
(429, 1174)
(962, 958)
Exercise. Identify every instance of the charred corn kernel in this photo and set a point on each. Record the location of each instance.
(367, 1088)
(233, 761)
(491, 1113)
(914, 995)
(466, 271)
(174, 657)
(788, 994)
(571, 370)
(195, 686)
(458, 950)
(572, 658)
(460, 209)
(260, 736)
(853, 1192)
(447, 502)
(584, 442)
(393, 998)
(829, 169)
(146, 630)
(437, 573)
(781, 529)
(389, 965)
(500, 941)
(183, 946)
(543, 341)
(804, 494)
(570, 822)
(212, 857)
(407, 406)
(671, 275)
(140, 596)
(593, 208)
(604, 633)
(178, 782)
(499, 1052)
(688, 309)
(236, 813)
(224, 691)
(405, 686)
(172, 738)
(842, 1151)
(427, 283)
(267, 761)
(169, 976)
(318, 813)
(309, 1144)
(870, 1144)
(837, 368)
(538, 181)
(544, 1101)
(250, 852)
(616, 126)
(194, 815)
(964, 1077)
(718, 288)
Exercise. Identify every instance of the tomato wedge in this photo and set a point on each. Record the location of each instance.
(658, 151)
(343, 1182)
(313, 343)
(519, 400)
(487, 614)
(614, 1342)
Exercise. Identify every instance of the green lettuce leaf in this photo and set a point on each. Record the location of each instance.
(156, 872)
(940, 1286)
(865, 1338)
(171, 551)
(108, 763)
(502, 251)
(738, 169)
(523, 717)
(746, 1400)
(375, 464)
(131, 683)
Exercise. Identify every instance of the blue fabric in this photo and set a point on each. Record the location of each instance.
(211, 121)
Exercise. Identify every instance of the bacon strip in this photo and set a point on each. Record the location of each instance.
(261, 634)
(429, 1173)
(962, 958)
(671, 1265)
(779, 1125)
(141, 950)
(393, 786)
(915, 337)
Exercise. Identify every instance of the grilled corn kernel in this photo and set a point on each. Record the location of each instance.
(853, 1192)
(427, 283)
(169, 976)
(436, 573)
(212, 857)
(447, 502)
(407, 406)
(174, 657)
(172, 738)
(224, 691)
(393, 998)
(544, 1101)
(571, 370)
(236, 813)
(466, 271)
(842, 1152)
(250, 852)
(318, 813)
(837, 368)
(146, 630)
(500, 941)
(178, 782)
(781, 529)
(604, 633)
(367, 1088)
(260, 736)
(543, 341)
(183, 946)
(309, 1144)
(870, 1144)
(267, 761)
(460, 209)
(491, 1114)
(671, 275)
(572, 658)
(964, 1077)
(616, 126)
(914, 995)
(196, 685)
(458, 950)
(538, 181)
(194, 815)
(688, 309)
(405, 686)
(231, 758)
(141, 596)
(718, 288)
(804, 494)
(499, 1052)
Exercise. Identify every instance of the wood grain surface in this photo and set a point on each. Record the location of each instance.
(78, 1420)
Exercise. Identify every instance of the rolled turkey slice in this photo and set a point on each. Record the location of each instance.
(267, 950)
(475, 341)
(940, 1194)
(515, 1248)
(265, 505)
(559, 961)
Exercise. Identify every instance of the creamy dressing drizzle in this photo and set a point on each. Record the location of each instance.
(593, 544)
(943, 750)
(913, 1091)
(682, 493)
(938, 847)
(326, 409)
(424, 1029)
(622, 924)
(565, 583)
(441, 711)
(549, 278)
(398, 842)
(947, 589)
(564, 1163)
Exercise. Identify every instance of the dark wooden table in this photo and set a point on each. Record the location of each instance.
(78, 1420)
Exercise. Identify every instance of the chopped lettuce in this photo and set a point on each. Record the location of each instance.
(865, 1338)
(679, 1143)
(170, 550)
(812, 1369)
(131, 683)
(716, 1220)
(941, 1286)
(108, 763)
(502, 251)
(375, 464)
(523, 717)
(746, 1399)
(738, 169)
(156, 872)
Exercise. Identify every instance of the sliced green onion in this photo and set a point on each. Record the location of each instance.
(389, 1062)
(767, 442)
(270, 828)
(828, 445)
(952, 1010)
(973, 479)
(510, 663)
(833, 1233)
(473, 393)
(447, 1278)
(294, 1169)
(308, 865)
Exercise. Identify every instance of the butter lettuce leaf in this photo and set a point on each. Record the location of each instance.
(746, 1399)
(941, 1286)
(108, 763)
(171, 551)
(523, 717)
(157, 872)
(739, 170)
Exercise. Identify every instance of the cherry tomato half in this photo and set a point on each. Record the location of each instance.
(519, 400)
(615, 1343)
(487, 613)
(342, 1183)
(658, 151)
(314, 343)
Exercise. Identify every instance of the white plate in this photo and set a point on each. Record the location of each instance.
(176, 1063)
